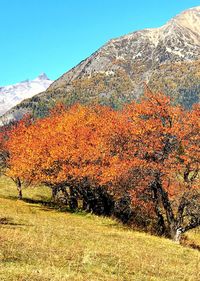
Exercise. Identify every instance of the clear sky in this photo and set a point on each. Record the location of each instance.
(52, 36)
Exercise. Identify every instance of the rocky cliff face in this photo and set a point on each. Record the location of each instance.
(167, 58)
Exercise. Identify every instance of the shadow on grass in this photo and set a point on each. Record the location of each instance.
(48, 205)
(186, 242)
(10, 260)
(9, 221)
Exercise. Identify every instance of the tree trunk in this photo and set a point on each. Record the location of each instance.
(86, 204)
(161, 228)
(64, 191)
(175, 234)
(73, 202)
(19, 188)
(65, 199)
(171, 220)
(54, 191)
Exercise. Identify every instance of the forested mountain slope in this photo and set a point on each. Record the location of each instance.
(166, 58)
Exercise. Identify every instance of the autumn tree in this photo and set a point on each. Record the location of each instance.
(149, 153)
(159, 162)
(14, 130)
(62, 151)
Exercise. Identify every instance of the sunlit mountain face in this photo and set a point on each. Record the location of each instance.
(166, 58)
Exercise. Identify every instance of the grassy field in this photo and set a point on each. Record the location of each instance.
(40, 243)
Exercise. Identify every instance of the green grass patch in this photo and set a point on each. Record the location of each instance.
(40, 243)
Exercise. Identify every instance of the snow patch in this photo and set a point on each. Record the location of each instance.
(11, 95)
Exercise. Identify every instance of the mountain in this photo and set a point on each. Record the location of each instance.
(166, 58)
(13, 94)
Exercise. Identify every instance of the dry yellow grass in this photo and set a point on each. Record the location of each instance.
(40, 243)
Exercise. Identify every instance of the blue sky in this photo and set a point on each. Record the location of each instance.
(52, 36)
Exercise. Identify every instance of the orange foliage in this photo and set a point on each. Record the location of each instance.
(105, 145)
(148, 140)
(150, 149)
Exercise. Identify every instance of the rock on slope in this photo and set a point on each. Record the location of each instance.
(167, 58)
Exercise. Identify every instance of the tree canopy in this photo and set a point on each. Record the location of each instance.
(148, 151)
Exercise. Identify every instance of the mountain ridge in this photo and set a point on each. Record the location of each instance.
(115, 73)
(11, 95)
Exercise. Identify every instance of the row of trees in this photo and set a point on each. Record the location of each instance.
(140, 164)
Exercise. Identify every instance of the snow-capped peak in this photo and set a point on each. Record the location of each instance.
(11, 95)
(42, 77)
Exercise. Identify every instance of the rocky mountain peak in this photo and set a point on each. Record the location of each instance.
(167, 58)
(42, 76)
(189, 19)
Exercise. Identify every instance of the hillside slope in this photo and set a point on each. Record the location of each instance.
(39, 243)
(167, 58)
